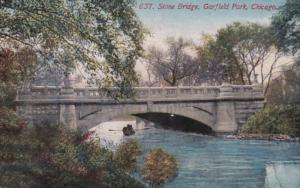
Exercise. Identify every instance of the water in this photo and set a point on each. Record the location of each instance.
(283, 174)
(212, 162)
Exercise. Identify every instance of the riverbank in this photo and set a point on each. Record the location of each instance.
(269, 137)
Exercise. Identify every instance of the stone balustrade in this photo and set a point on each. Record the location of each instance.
(149, 93)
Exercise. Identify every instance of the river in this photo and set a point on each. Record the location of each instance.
(213, 162)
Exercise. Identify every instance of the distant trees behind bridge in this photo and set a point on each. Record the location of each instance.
(236, 54)
(239, 53)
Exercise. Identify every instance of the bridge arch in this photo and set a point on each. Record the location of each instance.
(107, 114)
(176, 122)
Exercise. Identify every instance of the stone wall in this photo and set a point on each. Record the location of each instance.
(245, 109)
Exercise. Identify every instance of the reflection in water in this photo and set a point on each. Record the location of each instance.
(283, 174)
(213, 162)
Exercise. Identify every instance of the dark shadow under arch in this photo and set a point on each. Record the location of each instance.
(176, 122)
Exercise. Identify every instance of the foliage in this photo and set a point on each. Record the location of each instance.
(286, 26)
(127, 155)
(285, 89)
(10, 123)
(105, 37)
(174, 65)
(15, 67)
(49, 76)
(49, 156)
(213, 72)
(237, 51)
(159, 167)
(274, 120)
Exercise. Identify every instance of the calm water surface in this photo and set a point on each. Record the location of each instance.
(213, 162)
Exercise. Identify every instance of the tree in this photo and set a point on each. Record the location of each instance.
(104, 36)
(242, 51)
(159, 167)
(212, 71)
(127, 154)
(173, 65)
(285, 24)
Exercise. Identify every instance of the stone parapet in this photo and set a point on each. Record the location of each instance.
(224, 91)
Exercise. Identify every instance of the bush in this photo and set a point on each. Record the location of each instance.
(159, 167)
(274, 120)
(50, 156)
(127, 155)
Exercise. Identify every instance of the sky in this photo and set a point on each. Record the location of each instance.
(168, 18)
(190, 24)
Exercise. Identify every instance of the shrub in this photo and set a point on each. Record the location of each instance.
(274, 120)
(159, 167)
(127, 155)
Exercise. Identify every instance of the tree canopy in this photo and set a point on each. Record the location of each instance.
(286, 24)
(105, 36)
(238, 53)
(173, 65)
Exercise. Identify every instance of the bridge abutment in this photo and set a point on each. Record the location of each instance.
(225, 112)
(67, 115)
(25, 110)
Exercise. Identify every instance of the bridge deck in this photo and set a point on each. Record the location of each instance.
(44, 94)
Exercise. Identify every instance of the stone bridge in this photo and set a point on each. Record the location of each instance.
(222, 108)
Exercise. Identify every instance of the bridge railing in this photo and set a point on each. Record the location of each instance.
(146, 93)
(39, 92)
(176, 92)
(242, 88)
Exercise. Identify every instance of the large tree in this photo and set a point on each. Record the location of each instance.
(286, 24)
(213, 70)
(173, 65)
(105, 36)
(239, 52)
